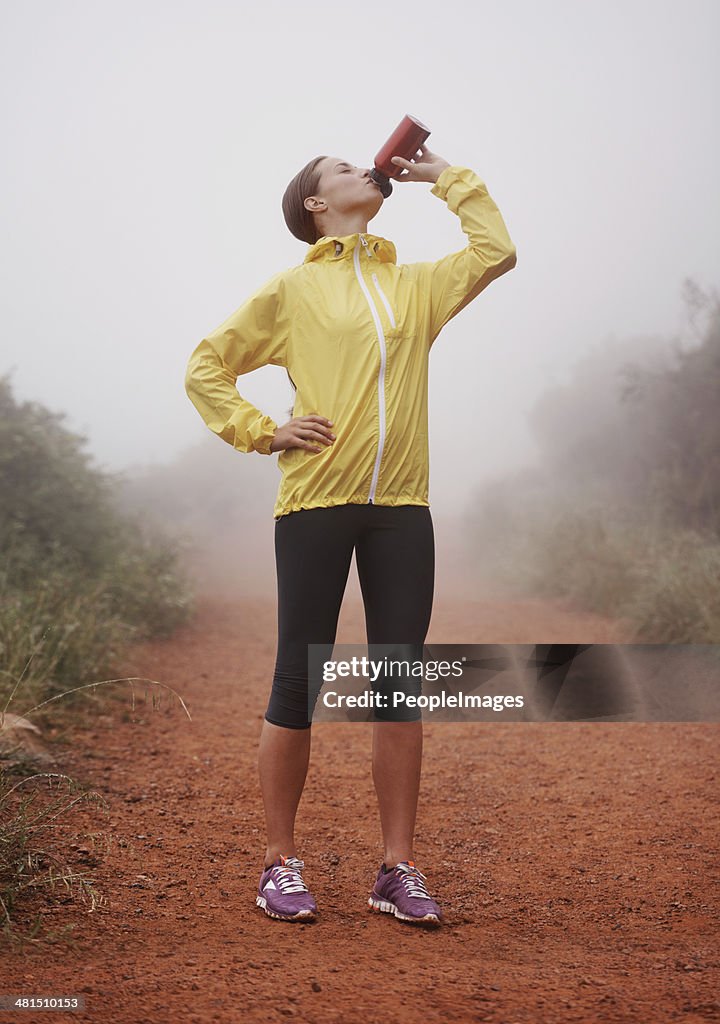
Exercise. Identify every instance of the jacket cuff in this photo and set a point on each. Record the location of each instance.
(262, 434)
(449, 175)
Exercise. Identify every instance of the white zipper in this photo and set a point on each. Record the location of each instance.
(381, 375)
(385, 301)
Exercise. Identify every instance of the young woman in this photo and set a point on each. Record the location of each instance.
(354, 329)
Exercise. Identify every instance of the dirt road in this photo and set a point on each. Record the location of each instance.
(576, 863)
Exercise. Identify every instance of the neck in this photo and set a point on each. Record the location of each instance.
(347, 225)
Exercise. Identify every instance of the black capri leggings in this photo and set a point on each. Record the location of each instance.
(395, 556)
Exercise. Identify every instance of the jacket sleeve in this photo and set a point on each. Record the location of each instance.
(254, 336)
(455, 280)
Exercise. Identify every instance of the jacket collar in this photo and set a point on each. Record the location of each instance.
(341, 247)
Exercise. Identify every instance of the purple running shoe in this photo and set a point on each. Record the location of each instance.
(402, 891)
(283, 894)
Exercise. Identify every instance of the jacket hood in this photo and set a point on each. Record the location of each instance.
(340, 247)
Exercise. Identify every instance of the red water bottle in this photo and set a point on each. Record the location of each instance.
(405, 141)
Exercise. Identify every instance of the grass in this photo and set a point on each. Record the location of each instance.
(79, 582)
(28, 865)
(661, 580)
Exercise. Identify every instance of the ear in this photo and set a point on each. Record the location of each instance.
(314, 205)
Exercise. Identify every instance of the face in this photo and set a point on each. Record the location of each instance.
(345, 189)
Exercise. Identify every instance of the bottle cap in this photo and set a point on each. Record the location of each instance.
(383, 181)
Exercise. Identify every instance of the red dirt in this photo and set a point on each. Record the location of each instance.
(576, 863)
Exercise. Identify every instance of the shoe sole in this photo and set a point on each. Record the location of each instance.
(302, 915)
(385, 907)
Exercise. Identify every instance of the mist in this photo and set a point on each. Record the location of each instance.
(147, 148)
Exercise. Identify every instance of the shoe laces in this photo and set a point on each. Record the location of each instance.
(288, 875)
(413, 879)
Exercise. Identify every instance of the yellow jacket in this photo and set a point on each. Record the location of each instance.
(354, 330)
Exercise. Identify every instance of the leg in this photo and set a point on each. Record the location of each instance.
(397, 761)
(283, 759)
(396, 567)
(313, 550)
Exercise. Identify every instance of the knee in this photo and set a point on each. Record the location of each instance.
(288, 705)
(287, 725)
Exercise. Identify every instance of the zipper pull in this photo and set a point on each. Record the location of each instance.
(367, 247)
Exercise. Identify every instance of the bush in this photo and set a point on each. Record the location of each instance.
(622, 512)
(663, 581)
(78, 581)
(677, 599)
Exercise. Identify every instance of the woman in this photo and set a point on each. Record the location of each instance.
(354, 330)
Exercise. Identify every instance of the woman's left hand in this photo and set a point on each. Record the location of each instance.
(425, 166)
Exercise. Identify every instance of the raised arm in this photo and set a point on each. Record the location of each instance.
(455, 280)
(254, 336)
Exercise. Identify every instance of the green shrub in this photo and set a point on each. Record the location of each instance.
(621, 513)
(78, 581)
(677, 597)
(662, 580)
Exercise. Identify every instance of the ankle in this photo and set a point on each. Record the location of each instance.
(273, 852)
(390, 860)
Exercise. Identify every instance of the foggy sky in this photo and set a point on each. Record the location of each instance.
(147, 146)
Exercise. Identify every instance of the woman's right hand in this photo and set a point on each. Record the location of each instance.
(301, 432)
